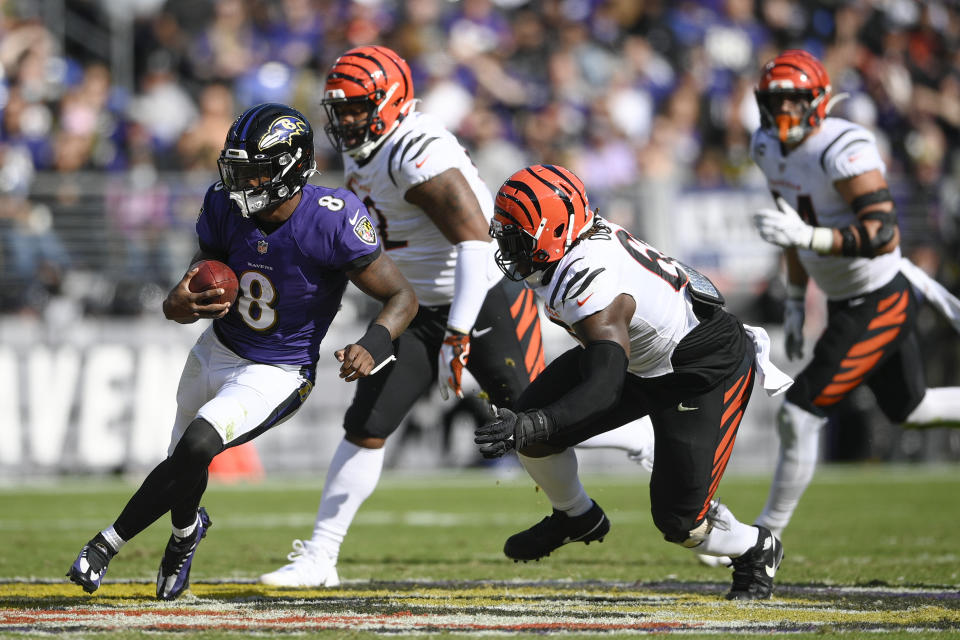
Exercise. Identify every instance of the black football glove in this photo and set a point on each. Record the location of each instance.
(511, 430)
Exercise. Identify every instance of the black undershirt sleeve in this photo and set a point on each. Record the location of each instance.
(603, 367)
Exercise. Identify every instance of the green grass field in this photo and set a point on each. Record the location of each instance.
(872, 527)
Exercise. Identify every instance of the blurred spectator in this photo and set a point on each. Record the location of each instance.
(229, 46)
(34, 259)
(494, 155)
(652, 99)
(200, 145)
(163, 108)
(138, 208)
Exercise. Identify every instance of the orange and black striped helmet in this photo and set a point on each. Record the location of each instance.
(375, 81)
(794, 73)
(539, 213)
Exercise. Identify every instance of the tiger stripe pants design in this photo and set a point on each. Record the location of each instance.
(506, 353)
(870, 340)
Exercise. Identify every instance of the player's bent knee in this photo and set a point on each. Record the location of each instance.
(541, 450)
(794, 423)
(225, 414)
(198, 446)
(365, 442)
(689, 539)
(680, 528)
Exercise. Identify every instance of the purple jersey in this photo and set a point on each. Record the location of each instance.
(291, 279)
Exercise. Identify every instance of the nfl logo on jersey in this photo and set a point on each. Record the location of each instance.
(262, 247)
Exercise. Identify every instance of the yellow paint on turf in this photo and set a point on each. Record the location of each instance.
(539, 602)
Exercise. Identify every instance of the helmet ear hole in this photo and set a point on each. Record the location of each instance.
(559, 230)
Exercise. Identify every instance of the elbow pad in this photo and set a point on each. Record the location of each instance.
(856, 240)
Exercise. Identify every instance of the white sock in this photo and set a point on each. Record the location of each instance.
(796, 462)
(113, 538)
(351, 478)
(729, 536)
(186, 532)
(939, 407)
(557, 476)
(633, 437)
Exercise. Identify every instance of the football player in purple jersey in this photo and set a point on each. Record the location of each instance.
(293, 247)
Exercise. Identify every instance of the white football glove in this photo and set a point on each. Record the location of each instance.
(784, 227)
(793, 314)
(453, 358)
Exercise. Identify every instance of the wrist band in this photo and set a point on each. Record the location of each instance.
(378, 343)
(822, 239)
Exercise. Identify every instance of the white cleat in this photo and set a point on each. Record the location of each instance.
(310, 566)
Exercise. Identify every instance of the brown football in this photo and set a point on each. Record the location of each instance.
(214, 274)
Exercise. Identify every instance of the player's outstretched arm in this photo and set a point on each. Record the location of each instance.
(382, 281)
(603, 367)
(184, 306)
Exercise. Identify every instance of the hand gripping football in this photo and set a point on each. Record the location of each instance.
(214, 274)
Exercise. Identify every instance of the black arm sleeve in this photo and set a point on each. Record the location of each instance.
(603, 366)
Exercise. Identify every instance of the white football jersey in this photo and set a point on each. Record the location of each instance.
(418, 150)
(805, 177)
(598, 269)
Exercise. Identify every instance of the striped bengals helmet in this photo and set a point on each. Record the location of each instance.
(376, 81)
(798, 74)
(538, 214)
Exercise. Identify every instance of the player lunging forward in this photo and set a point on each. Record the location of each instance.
(294, 246)
(656, 341)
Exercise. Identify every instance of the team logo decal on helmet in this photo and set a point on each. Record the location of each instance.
(367, 94)
(798, 75)
(281, 131)
(267, 157)
(539, 213)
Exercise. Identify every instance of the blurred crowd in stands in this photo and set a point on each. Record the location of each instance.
(101, 177)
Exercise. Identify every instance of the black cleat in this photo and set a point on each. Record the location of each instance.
(556, 530)
(91, 565)
(753, 571)
(174, 575)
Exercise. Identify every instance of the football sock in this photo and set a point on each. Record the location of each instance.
(557, 476)
(187, 531)
(633, 436)
(352, 477)
(113, 538)
(729, 537)
(796, 462)
(940, 407)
